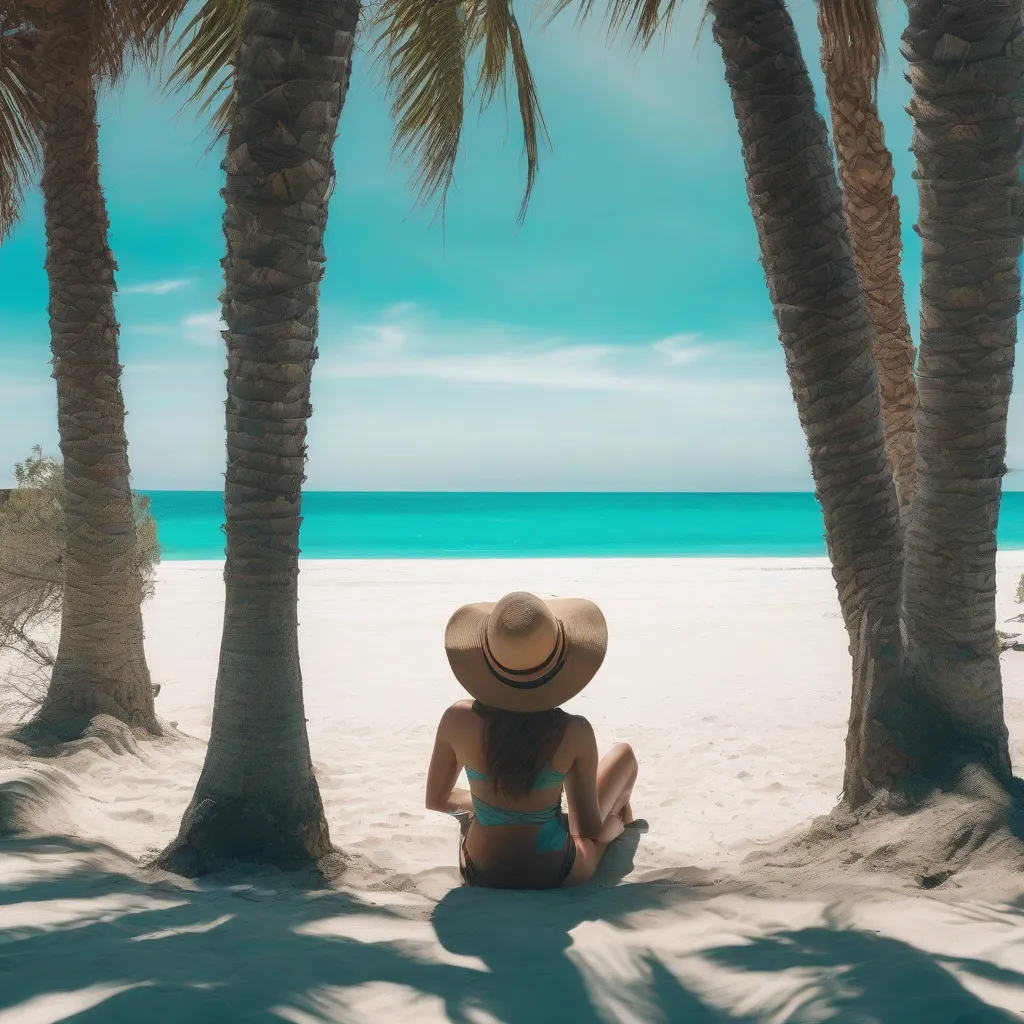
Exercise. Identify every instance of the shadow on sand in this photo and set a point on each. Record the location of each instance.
(109, 948)
(524, 941)
(96, 945)
(856, 975)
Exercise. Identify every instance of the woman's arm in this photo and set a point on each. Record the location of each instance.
(581, 782)
(444, 772)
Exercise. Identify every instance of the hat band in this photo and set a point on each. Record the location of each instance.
(531, 678)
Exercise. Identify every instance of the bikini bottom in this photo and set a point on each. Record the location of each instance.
(472, 875)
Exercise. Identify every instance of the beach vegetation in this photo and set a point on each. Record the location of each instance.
(32, 545)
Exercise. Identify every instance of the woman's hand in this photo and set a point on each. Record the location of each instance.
(460, 801)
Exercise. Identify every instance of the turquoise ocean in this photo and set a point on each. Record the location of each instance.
(353, 524)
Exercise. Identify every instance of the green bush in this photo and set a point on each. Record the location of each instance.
(32, 541)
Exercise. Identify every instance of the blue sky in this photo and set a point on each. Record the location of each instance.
(621, 340)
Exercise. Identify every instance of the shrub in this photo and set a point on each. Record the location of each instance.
(32, 541)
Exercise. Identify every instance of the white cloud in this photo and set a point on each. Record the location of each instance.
(159, 368)
(203, 328)
(150, 330)
(679, 349)
(405, 344)
(409, 401)
(155, 287)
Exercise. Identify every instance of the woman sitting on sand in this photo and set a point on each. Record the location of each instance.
(520, 659)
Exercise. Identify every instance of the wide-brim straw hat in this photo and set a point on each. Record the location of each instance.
(525, 654)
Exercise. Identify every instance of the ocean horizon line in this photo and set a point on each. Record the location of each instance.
(325, 490)
(531, 524)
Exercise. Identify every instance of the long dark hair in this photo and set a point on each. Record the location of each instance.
(518, 745)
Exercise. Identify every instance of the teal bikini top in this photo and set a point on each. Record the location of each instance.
(552, 834)
(546, 780)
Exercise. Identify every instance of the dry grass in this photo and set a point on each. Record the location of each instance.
(31, 587)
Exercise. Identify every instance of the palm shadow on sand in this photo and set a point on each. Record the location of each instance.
(524, 939)
(127, 951)
(857, 975)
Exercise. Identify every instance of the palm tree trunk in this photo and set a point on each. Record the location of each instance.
(101, 663)
(827, 335)
(966, 66)
(257, 798)
(872, 214)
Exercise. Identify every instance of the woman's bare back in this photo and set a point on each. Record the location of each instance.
(589, 785)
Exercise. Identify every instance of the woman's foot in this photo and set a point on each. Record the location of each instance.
(626, 814)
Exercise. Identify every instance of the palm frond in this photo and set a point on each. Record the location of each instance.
(424, 45)
(119, 34)
(487, 25)
(20, 150)
(127, 33)
(205, 63)
(492, 25)
(851, 38)
(641, 18)
(427, 45)
(146, 27)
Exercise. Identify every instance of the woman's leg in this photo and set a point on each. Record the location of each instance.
(616, 776)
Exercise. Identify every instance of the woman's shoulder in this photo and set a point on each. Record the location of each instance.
(578, 728)
(577, 740)
(578, 721)
(459, 715)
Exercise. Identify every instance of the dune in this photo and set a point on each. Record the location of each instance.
(729, 677)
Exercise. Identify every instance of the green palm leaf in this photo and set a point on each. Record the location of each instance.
(643, 18)
(427, 45)
(121, 34)
(20, 151)
(205, 63)
(140, 30)
(492, 26)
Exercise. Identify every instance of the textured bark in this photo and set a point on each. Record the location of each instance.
(101, 664)
(827, 335)
(873, 216)
(966, 66)
(257, 798)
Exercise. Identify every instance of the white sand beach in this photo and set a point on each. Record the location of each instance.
(728, 676)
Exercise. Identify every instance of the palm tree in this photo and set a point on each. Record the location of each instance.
(851, 55)
(52, 54)
(920, 613)
(928, 705)
(257, 799)
(966, 63)
(827, 335)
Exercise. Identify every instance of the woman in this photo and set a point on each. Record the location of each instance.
(520, 659)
